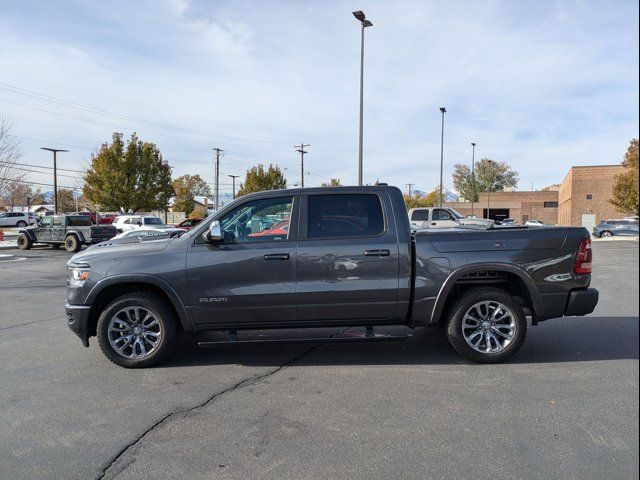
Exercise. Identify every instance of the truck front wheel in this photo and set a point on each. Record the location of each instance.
(24, 242)
(486, 325)
(137, 330)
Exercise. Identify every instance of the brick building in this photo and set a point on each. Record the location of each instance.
(582, 199)
(584, 195)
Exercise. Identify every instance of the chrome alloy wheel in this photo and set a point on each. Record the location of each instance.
(134, 332)
(489, 327)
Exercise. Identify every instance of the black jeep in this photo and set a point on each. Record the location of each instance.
(72, 231)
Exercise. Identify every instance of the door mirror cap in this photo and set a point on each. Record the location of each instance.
(214, 234)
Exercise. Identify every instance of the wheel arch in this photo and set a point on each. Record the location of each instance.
(525, 285)
(112, 287)
(28, 233)
(77, 233)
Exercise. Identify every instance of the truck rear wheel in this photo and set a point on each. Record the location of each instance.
(137, 330)
(24, 242)
(486, 325)
(72, 244)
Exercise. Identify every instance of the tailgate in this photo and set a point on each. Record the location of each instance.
(100, 233)
(504, 239)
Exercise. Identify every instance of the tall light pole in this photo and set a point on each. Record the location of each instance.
(443, 110)
(473, 176)
(365, 23)
(233, 178)
(55, 176)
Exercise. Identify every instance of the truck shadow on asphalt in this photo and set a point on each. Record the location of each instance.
(575, 339)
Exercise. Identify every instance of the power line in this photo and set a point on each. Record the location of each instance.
(67, 103)
(37, 183)
(42, 166)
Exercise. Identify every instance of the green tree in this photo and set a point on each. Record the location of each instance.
(334, 182)
(128, 177)
(66, 201)
(186, 188)
(490, 176)
(259, 179)
(625, 188)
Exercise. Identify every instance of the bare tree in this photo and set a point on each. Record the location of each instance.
(10, 154)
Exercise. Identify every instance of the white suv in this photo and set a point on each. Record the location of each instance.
(124, 223)
(16, 219)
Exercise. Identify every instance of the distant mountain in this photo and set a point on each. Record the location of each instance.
(449, 196)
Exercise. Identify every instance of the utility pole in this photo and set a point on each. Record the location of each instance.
(300, 148)
(55, 176)
(233, 178)
(409, 185)
(75, 191)
(473, 176)
(217, 185)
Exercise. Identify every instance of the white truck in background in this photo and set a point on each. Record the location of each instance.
(443, 217)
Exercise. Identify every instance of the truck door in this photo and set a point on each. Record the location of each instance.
(58, 229)
(348, 258)
(442, 218)
(250, 277)
(420, 217)
(43, 232)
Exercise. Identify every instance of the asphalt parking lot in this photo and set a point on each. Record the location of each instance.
(565, 407)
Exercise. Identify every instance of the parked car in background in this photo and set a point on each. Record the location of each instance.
(72, 231)
(508, 222)
(124, 223)
(442, 217)
(17, 219)
(616, 227)
(188, 224)
(534, 223)
(107, 218)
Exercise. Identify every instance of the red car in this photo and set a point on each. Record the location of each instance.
(188, 224)
(278, 228)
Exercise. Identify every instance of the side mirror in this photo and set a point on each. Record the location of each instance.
(214, 235)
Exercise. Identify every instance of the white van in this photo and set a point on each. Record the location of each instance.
(124, 223)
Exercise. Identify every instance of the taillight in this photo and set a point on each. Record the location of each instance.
(584, 257)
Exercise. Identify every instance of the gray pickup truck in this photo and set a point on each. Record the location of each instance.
(72, 231)
(332, 257)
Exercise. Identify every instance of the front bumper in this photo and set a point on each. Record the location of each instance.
(78, 321)
(582, 302)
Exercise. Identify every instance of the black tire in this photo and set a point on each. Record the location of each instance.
(24, 242)
(21, 224)
(72, 244)
(606, 234)
(163, 312)
(455, 333)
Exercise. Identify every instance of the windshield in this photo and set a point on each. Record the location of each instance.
(153, 221)
(455, 214)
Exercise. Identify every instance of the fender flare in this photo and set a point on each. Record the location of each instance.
(447, 286)
(28, 233)
(77, 233)
(167, 289)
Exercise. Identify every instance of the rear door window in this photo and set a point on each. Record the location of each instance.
(344, 215)
(420, 216)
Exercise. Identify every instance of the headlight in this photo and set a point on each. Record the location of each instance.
(76, 276)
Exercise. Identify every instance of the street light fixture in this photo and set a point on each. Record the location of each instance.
(360, 16)
(443, 110)
(55, 176)
(473, 176)
(234, 184)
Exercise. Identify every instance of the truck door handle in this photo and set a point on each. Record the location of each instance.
(276, 256)
(433, 223)
(377, 253)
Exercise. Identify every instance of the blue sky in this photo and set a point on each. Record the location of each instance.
(540, 85)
